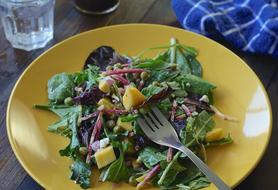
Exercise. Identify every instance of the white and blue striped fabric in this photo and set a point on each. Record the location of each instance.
(250, 25)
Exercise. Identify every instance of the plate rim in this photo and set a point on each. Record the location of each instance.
(40, 182)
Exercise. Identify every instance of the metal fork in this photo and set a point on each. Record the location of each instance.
(159, 130)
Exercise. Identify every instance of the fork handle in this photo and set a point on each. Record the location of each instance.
(221, 185)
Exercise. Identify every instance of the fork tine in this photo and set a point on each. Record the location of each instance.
(149, 122)
(157, 124)
(144, 126)
(160, 116)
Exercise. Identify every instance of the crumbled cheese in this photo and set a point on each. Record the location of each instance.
(204, 98)
(116, 98)
(194, 113)
(103, 143)
(187, 84)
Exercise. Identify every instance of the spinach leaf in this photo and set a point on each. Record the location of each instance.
(117, 171)
(223, 141)
(151, 156)
(152, 64)
(191, 51)
(81, 173)
(164, 105)
(194, 84)
(152, 90)
(196, 67)
(162, 75)
(159, 62)
(183, 64)
(60, 86)
(129, 118)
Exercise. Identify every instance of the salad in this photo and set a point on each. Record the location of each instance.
(98, 108)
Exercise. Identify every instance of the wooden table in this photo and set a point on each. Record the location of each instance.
(69, 22)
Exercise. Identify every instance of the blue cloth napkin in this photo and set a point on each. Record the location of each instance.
(250, 25)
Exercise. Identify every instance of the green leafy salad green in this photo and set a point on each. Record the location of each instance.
(98, 109)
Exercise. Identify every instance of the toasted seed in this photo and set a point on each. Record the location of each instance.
(135, 164)
(144, 75)
(109, 68)
(110, 123)
(132, 181)
(173, 66)
(68, 101)
(117, 129)
(83, 150)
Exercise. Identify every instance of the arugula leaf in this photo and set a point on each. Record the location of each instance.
(69, 152)
(195, 184)
(151, 156)
(202, 125)
(117, 171)
(60, 127)
(73, 126)
(223, 141)
(48, 107)
(191, 173)
(60, 86)
(196, 128)
(194, 84)
(65, 111)
(89, 76)
(92, 75)
(174, 170)
(186, 134)
(67, 125)
(81, 173)
(168, 168)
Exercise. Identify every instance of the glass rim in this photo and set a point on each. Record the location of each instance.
(21, 1)
(109, 10)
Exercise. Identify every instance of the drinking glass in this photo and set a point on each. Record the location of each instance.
(28, 24)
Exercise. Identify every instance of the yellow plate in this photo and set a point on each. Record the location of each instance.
(239, 93)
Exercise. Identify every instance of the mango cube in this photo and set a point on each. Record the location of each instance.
(106, 103)
(104, 86)
(105, 156)
(141, 178)
(125, 125)
(132, 97)
(214, 135)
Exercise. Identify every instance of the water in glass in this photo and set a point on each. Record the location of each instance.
(28, 24)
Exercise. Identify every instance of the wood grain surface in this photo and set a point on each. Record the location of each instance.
(68, 22)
